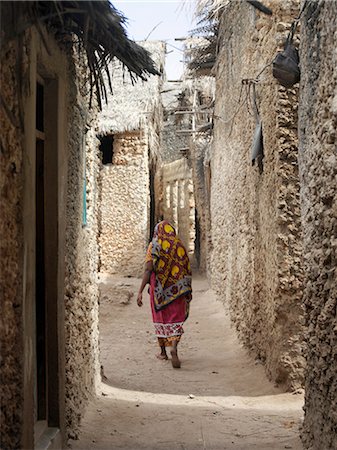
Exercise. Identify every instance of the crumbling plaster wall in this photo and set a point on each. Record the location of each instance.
(256, 264)
(318, 169)
(125, 202)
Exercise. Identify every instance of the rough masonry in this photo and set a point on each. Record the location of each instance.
(256, 265)
(318, 168)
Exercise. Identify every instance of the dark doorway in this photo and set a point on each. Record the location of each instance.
(40, 285)
(40, 305)
(46, 258)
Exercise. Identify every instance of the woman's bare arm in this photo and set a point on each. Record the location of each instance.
(145, 281)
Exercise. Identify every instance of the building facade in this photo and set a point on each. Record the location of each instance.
(256, 260)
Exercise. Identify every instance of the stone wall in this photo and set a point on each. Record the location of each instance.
(256, 265)
(81, 262)
(318, 168)
(132, 118)
(73, 259)
(178, 206)
(11, 251)
(125, 202)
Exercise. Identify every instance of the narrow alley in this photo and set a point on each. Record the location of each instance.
(142, 141)
(219, 399)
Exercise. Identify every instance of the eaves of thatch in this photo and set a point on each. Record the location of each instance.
(202, 46)
(133, 106)
(100, 30)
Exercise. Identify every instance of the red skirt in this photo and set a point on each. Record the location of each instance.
(168, 322)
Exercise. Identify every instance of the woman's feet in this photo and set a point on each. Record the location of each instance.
(162, 355)
(175, 360)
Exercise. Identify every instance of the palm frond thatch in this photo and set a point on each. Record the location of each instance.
(202, 46)
(201, 54)
(99, 27)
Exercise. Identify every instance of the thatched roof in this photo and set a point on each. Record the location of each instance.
(202, 46)
(100, 29)
(131, 106)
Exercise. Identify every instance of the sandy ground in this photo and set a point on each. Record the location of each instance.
(219, 399)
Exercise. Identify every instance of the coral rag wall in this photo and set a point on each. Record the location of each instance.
(125, 202)
(318, 168)
(11, 250)
(70, 247)
(132, 120)
(81, 261)
(256, 265)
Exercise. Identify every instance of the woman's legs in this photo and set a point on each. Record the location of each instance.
(173, 343)
(174, 354)
(162, 354)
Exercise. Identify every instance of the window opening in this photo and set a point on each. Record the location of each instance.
(106, 148)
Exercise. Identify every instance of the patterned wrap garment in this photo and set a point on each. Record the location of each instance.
(171, 266)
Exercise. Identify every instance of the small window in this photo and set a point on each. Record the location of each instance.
(106, 148)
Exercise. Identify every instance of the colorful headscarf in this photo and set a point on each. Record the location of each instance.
(171, 266)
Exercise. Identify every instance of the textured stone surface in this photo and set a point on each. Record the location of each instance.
(81, 291)
(11, 247)
(124, 206)
(256, 263)
(134, 117)
(80, 322)
(318, 168)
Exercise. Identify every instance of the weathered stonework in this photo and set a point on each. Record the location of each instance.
(71, 264)
(256, 263)
(81, 263)
(11, 251)
(318, 169)
(124, 206)
(132, 119)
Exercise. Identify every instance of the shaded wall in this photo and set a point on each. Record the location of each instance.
(11, 251)
(81, 257)
(318, 168)
(256, 263)
(70, 246)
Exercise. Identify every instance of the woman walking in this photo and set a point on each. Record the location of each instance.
(168, 271)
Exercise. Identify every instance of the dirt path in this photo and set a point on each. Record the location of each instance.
(219, 399)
